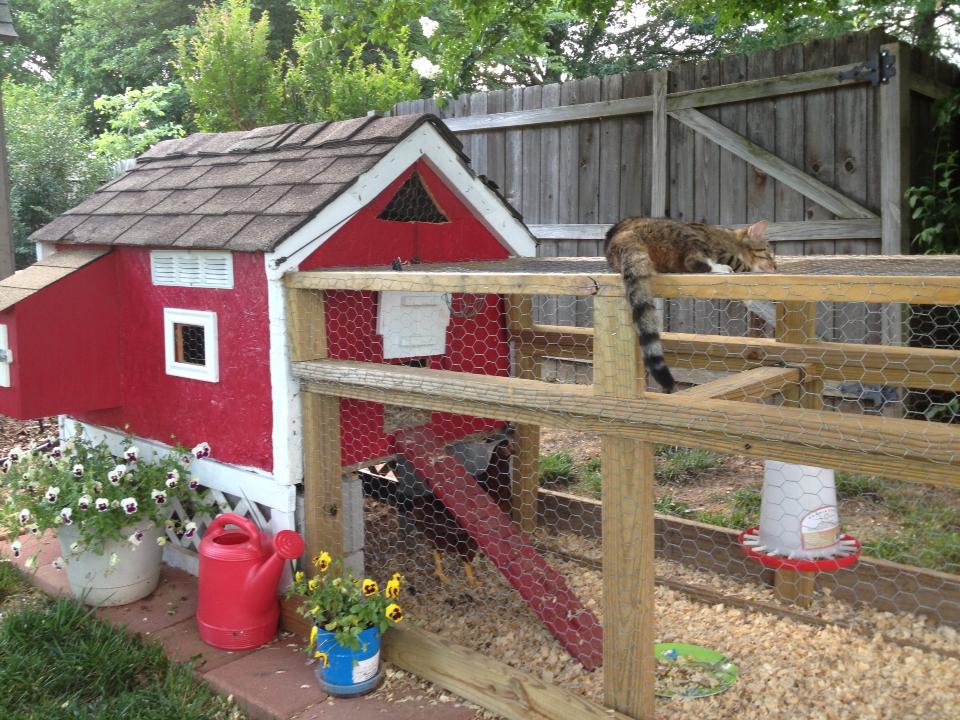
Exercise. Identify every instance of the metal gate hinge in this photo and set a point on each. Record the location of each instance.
(877, 70)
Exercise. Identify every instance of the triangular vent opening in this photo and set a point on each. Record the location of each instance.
(413, 203)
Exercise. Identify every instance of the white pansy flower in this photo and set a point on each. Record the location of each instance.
(15, 454)
(132, 453)
(425, 68)
(74, 547)
(97, 486)
(24, 516)
(84, 502)
(58, 563)
(428, 26)
(114, 477)
(159, 497)
(190, 529)
(102, 504)
(193, 483)
(33, 528)
(78, 470)
(136, 538)
(201, 451)
(65, 515)
(52, 493)
(129, 505)
(15, 547)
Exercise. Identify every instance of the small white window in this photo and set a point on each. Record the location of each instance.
(6, 357)
(192, 268)
(190, 344)
(413, 324)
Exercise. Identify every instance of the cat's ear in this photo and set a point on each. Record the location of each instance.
(757, 229)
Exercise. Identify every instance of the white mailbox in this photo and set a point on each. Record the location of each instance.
(413, 324)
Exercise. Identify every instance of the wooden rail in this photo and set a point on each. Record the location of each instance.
(905, 449)
(926, 290)
(922, 368)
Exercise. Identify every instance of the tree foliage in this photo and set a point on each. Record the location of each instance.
(226, 68)
(135, 120)
(53, 165)
(338, 73)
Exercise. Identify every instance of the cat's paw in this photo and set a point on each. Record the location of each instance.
(722, 269)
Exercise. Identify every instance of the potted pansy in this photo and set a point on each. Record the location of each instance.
(349, 616)
(110, 514)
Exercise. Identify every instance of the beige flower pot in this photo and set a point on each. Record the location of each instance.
(98, 582)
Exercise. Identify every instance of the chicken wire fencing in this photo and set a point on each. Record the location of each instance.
(813, 548)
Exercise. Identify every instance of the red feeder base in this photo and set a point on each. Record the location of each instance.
(779, 562)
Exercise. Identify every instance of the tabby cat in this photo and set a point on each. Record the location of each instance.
(638, 247)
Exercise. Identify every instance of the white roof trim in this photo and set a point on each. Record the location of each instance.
(426, 143)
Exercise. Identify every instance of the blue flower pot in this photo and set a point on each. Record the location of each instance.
(348, 672)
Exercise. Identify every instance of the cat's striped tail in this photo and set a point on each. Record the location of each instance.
(636, 268)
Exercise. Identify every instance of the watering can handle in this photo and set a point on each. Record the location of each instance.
(221, 521)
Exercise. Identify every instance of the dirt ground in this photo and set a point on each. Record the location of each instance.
(862, 663)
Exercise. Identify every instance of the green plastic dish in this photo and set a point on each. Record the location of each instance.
(709, 661)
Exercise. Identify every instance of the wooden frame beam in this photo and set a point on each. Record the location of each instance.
(849, 229)
(922, 368)
(905, 449)
(807, 185)
(920, 290)
(754, 384)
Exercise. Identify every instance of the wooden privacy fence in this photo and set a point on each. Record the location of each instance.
(806, 136)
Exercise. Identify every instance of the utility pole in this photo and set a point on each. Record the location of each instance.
(7, 262)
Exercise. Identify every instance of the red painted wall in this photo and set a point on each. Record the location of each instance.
(234, 415)
(65, 345)
(476, 334)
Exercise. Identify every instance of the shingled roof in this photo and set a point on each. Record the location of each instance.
(243, 191)
(7, 33)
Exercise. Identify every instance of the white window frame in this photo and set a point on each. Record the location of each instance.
(6, 357)
(202, 257)
(209, 372)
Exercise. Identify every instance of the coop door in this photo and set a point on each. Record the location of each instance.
(6, 357)
(413, 324)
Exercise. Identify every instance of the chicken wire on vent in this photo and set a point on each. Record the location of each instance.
(497, 525)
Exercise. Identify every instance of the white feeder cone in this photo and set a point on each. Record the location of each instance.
(798, 511)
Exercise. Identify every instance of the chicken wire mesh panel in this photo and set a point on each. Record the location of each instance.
(451, 498)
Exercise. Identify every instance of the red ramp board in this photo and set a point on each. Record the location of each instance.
(543, 588)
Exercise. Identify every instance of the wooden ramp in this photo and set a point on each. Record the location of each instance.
(543, 588)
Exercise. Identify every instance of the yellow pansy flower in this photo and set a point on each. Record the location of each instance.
(370, 588)
(313, 583)
(322, 561)
(298, 576)
(393, 589)
(394, 612)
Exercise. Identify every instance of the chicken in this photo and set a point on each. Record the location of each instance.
(418, 505)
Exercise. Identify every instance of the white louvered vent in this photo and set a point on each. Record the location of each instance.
(192, 268)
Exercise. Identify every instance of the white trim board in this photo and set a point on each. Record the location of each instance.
(256, 485)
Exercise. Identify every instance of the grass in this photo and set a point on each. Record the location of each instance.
(680, 465)
(674, 465)
(58, 661)
(10, 579)
(744, 510)
(556, 468)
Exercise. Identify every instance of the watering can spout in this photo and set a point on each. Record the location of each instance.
(287, 545)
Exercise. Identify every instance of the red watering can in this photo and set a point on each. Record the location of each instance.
(238, 606)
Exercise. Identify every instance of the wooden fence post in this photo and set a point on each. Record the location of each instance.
(628, 523)
(525, 471)
(659, 153)
(322, 479)
(895, 154)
